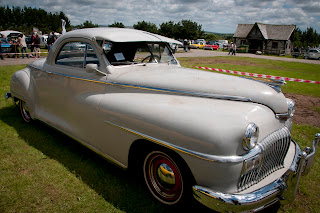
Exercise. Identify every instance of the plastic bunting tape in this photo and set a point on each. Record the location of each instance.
(259, 75)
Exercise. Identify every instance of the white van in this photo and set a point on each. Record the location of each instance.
(223, 43)
(43, 40)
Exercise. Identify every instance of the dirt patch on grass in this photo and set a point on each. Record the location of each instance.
(306, 109)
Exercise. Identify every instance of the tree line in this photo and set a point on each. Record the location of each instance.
(307, 38)
(24, 19)
(185, 29)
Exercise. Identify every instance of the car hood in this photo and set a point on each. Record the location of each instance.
(173, 79)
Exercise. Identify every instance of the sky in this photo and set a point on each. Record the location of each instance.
(220, 16)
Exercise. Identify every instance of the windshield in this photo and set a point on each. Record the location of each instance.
(130, 53)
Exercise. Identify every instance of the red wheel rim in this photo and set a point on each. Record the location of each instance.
(163, 178)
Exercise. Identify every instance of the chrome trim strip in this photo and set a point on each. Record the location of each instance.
(273, 83)
(197, 94)
(207, 157)
(190, 93)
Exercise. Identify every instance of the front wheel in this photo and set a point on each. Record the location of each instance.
(24, 111)
(164, 178)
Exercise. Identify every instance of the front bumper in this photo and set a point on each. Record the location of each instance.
(283, 189)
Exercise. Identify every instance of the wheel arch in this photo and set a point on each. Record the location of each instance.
(141, 147)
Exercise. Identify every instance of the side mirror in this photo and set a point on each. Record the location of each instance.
(91, 68)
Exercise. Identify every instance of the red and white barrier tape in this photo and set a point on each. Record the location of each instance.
(259, 75)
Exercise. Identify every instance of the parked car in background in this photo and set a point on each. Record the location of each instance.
(312, 54)
(198, 45)
(211, 45)
(43, 41)
(5, 45)
(222, 139)
(223, 43)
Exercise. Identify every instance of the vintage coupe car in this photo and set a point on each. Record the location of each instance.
(223, 139)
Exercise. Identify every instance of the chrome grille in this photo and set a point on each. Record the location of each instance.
(273, 152)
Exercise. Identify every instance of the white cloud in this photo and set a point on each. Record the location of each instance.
(213, 15)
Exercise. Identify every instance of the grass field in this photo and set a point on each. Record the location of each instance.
(42, 170)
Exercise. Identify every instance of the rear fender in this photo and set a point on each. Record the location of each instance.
(21, 89)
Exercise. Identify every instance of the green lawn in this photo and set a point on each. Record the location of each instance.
(268, 67)
(42, 170)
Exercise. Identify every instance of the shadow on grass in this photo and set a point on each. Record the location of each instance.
(116, 186)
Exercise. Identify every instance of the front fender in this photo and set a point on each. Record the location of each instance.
(208, 126)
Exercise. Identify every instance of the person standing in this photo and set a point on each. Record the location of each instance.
(234, 49)
(231, 48)
(23, 45)
(185, 44)
(50, 41)
(37, 46)
(33, 37)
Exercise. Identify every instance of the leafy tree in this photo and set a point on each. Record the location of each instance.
(188, 29)
(211, 37)
(185, 29)
(167, 29)
(24, 19)
(308, 38)
(146, 26)
(88, 24)
(117, 24)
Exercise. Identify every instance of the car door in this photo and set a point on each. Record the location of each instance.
(69, 95)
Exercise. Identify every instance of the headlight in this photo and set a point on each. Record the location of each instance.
(291, 107)
(250, 137)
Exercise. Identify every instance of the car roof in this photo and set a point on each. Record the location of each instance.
(119, 35)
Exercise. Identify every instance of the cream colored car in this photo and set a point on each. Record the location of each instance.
(313, 54)
(222, 139)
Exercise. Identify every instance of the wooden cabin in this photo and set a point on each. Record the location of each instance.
(267, 38)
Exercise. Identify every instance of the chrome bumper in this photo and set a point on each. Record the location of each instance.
(283, 189)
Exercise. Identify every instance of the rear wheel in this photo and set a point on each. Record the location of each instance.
(164, 178)
(24, 110)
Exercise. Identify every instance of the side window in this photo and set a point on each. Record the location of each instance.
(77, 54)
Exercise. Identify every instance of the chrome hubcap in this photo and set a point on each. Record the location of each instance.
(166, 176)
